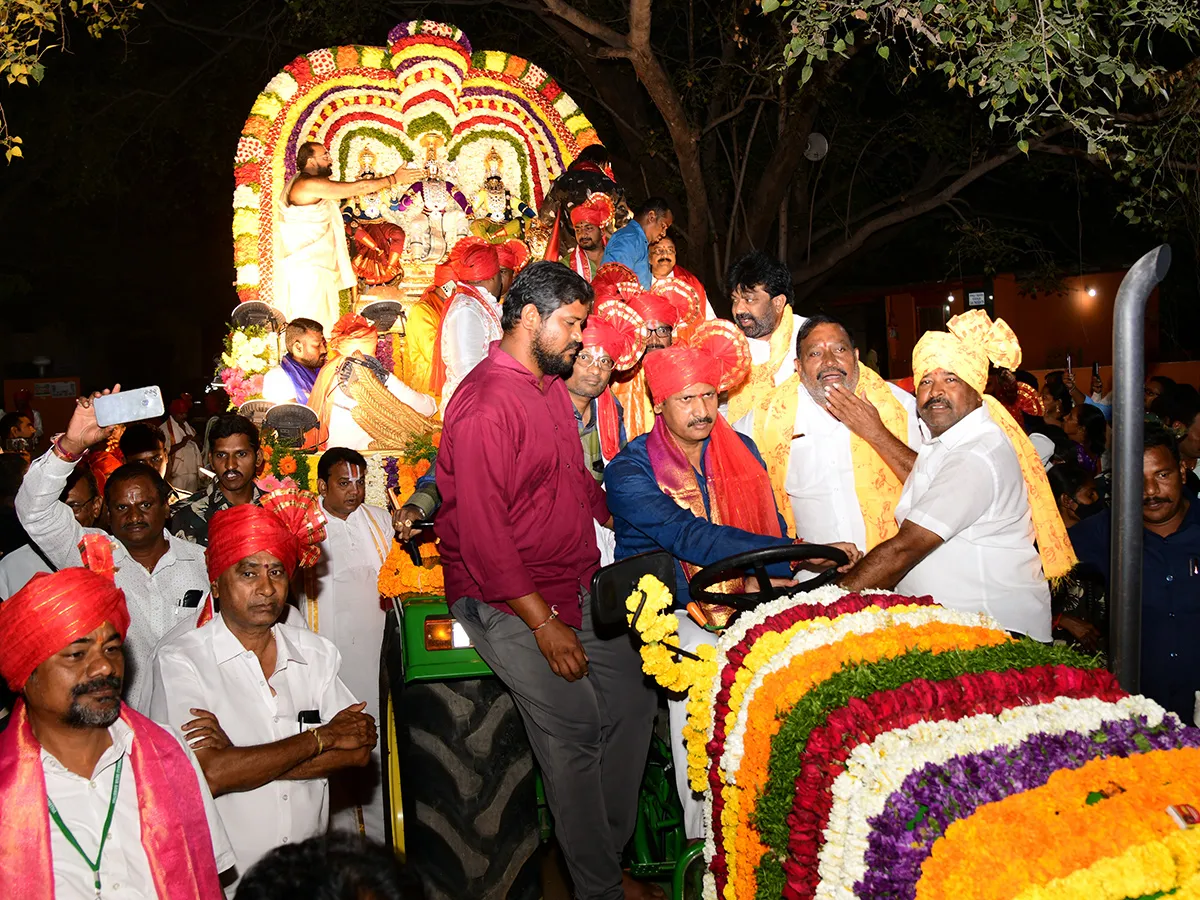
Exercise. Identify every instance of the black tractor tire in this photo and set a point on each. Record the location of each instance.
(467, 787)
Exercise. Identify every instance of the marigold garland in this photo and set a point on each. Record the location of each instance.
(1158, 868)
(1079, 817)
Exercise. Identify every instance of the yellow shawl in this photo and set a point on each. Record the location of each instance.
(876, 485)
(759, 387)
(972, 341)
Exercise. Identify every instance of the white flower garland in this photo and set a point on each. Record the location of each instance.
(875, 770)
(867, 620)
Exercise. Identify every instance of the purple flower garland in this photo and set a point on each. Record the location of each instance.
(391, 469)
(932, 797)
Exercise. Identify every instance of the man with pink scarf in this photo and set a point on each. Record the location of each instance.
(98, 801)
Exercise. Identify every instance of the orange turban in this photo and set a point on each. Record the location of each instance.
(351, 327)
(654, 307)
(474, 259)
(513, 255)
(612, 279)
(717, 354)
(53, 610)
(289, 525)
(596, 210)
(970, 343)
(616, 329)
(442, 274)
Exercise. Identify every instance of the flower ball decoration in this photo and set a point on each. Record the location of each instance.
(880, 746)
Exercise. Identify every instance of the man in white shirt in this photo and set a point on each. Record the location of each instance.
(472, 318)
(183, 447)
(163, 576)
(22, 564)
(761, 291)
(343, 606)
(292, 380)
(838, 442)
(97, 799)
(261, 702)
(977, 498)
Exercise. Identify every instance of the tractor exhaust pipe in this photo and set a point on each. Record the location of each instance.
(1129, 410)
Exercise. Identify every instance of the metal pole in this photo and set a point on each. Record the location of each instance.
(1129, 375)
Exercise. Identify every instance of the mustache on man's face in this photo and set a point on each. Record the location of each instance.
(97, 684)
(703, 420)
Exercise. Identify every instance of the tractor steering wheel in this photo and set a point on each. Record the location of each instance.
(758, 560)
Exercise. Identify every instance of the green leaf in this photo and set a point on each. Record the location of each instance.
(805, 74)
(769, 6)
(1023, 146)
(883, 51)
(1095, 797)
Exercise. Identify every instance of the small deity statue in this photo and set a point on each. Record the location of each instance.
(443, 214)
(497, 219)
(376, 243)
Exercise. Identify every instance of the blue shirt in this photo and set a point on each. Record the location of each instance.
(646, 519)
(1170, 604)
(630, 247)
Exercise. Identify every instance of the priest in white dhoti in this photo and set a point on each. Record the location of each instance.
(312, 258)
(342, 605)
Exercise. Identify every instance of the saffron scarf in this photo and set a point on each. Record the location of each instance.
(608, 425)
(581, 265)
(175, 831)
(757, 389)
(739, 490)
(877, 487)
(635, 398)
(437, 366)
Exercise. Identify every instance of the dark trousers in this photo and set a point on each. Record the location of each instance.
(590, 737)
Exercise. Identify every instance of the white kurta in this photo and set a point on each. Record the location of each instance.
(184, 473)
(346, 611)
(967, 488)
(467, 332)
(313, 261)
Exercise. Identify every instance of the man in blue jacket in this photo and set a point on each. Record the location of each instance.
(630, 246)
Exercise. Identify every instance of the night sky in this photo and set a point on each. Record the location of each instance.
(116, 259)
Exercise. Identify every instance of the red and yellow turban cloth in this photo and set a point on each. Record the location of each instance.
(474, 259)
(972, 341)
(615, 279)
(739, 490)
(513, 255)
(616, 329)
(654, 307)
(289, 525)
(596, 210)
(54, 609)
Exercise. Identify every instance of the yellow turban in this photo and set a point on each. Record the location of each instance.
(974, 340)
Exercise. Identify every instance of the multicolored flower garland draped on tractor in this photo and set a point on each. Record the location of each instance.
(427, 84)
(878, 746)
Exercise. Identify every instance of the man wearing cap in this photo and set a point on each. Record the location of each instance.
(513, 256)
(358, 403)
(977, 499)
(97, 800)
(589, 219)
(421, 326)
(472, 319)
(695, 488)
(292, 380)
(659, 317)
(760, 289)
(259, 701)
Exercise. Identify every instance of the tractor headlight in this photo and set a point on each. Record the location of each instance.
(445, 633)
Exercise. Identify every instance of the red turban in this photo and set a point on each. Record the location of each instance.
(474, 259)
(717, 354)
(54, 609)
(596, 210)
(288, 525)
(612, 279)
(351, 327)
(442, 274)
(513, 255)
(616, 329)
(179, 407)
(654, 308)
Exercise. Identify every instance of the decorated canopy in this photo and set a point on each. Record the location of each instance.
(427, 96)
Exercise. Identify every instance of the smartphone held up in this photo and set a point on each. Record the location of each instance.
(128, 406)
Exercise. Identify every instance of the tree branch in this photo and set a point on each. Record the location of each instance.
(585, 23)
(735, 112)
(836, 254)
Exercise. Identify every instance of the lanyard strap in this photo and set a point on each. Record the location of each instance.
(112, 805)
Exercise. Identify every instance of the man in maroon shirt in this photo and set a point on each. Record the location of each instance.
(518, 552)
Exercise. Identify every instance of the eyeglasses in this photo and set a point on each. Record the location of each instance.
(660, 330)
(603, 363)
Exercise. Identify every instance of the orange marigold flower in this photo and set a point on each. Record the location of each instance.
(287, 465)
(422, 467)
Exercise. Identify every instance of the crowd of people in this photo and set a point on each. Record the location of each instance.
(194, 666)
